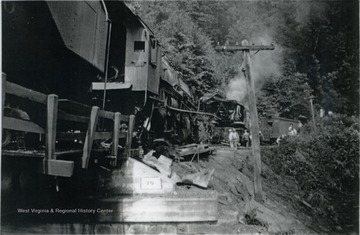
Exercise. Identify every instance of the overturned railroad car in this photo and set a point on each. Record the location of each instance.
(97, 53)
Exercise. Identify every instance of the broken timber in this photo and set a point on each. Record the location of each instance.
(192, 149)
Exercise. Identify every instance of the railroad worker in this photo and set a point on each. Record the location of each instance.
(300, 125)
(261, 137)
(292, 130)
(246, 138)
(231, 138)
(236, 138)
(250, 139)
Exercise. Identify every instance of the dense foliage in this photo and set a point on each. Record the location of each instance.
(325, 165)
(316, 42)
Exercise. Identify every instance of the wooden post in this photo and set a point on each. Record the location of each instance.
(312, 112)
(89, 139)
(51, 119)
(129, 136)
(255, 145)
(115, 141)
(255, 141)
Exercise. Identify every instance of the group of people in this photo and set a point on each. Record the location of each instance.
(234, 138)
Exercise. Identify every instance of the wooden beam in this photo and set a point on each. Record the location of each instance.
(70, 117)
(22, 153)
(103, 135)
(37, 154)
(20, 91)
(122, 135)
(124, 118)
(115, 140)
(51, 121)
(89, 139)
(197, 149)
(56, 167)
(21, 125)
(74, 107)
(71, 136)
(129, 136)
(106, 114)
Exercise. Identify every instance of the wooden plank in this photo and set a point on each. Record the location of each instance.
(96, 86)
(103, 135)
(20, 91)
(89, 139)
(179, 208)
(124, 118)
(193, 150)
(122, 135)
(56, 167)
(37, 154)
(201, 179)
(74, 107)
(22, 153)
(52, 105)
(129, 136)
(21, 125)
(68, 152)
(70, 117)
(115, 140)
(106, 114)
(70, 136)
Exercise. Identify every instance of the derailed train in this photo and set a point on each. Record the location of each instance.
(97, 53)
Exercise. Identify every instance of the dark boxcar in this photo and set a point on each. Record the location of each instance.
(275, 127)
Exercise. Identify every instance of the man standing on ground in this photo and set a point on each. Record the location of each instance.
(246, 138)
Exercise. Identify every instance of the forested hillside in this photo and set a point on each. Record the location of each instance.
(316, 49)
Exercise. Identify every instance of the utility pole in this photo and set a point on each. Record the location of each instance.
(255, 145)
(311, 98)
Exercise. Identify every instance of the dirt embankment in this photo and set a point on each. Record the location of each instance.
(238, 212)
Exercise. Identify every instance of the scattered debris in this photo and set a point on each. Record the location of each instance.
(162, 164)
(201, 179)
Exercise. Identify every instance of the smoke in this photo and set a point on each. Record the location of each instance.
(237, 89)
(264, 65)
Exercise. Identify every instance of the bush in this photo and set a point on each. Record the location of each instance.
(325, 164)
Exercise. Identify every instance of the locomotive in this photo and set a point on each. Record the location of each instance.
(229, 113)
(95, 53)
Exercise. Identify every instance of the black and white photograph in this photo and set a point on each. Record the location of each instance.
(180, 117)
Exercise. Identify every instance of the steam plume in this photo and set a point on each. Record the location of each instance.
(264, 64)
